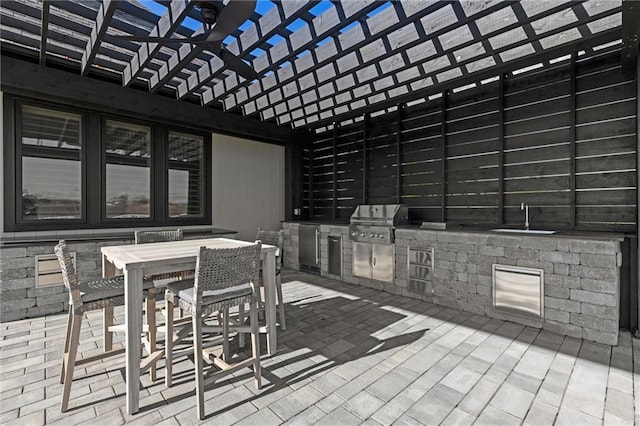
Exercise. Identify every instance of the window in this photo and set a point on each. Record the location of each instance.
(66, 168)
(128, 170)
(186, 154)
(51, 172)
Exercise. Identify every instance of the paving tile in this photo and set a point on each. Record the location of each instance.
(340, 416)
(458, 417)
(436, 405)
(512, 400)
(392, 383)
(264, 417)
(330, 402)
(540, 413)
(296, 402)
(571, 417)
(619, 404)
(461, 379)
(492, 416)
(363, 404)
(479, 396)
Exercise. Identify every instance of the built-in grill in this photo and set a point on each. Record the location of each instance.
(376, 223)
(371, 229)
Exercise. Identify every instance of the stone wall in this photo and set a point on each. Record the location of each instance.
(581, 275)
(19, 296)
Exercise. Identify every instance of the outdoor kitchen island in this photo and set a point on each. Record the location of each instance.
(579, 293)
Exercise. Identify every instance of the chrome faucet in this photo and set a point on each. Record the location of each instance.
(525, 207)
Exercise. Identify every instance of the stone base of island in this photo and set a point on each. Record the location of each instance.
(581, 285)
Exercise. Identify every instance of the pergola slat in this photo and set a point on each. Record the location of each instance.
(105, 13)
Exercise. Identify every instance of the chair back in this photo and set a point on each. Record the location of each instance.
(273, 238)
(68, 274)
(218, 269)
(143, 237)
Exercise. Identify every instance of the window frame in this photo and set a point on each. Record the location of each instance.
(103, 170)
(93, 171)
(17, 187)
(204, 178)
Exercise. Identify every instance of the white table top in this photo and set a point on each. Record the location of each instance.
(152, 254)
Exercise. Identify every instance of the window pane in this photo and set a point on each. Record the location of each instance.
(186, 158)
(51, 168)
(128, 186)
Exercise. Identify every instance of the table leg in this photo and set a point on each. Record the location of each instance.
(269, 276)
(133, 319)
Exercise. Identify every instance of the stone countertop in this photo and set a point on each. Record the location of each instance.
(98, 235)
(591, 235)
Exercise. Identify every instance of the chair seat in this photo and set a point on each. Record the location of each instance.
(105, 288)
(184, 289)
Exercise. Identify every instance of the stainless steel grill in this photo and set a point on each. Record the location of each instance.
(376, 223)
(371, 229)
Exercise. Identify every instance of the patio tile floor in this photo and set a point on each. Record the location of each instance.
(350, 355)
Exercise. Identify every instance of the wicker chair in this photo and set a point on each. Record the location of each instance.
(102, 293)
(275, 238)
(223, 278)
(144, 237)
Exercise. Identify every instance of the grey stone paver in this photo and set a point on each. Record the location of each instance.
(350, 355)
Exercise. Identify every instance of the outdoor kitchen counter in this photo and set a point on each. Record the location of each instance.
(582, 273)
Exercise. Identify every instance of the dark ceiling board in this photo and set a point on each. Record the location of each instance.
(44, 28)
(31, 80)
(601, 38)
(630, 34)
(102, 22)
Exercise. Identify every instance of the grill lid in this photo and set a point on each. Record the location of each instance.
(380, 214)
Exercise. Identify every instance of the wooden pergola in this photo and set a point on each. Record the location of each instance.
(319, 62)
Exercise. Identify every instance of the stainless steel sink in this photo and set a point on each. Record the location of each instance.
(525, 231)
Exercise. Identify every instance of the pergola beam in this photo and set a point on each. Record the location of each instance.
(105, 13)
(555, 52)
(335, 100)
(168, 24)
(630, 34)
(255, 36)
(44, 29)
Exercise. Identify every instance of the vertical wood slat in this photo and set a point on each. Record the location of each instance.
(399, 155)
(443, 149)
(311, 212)
(572, 141)
(335, 172)
(501, 151)
(365, 163)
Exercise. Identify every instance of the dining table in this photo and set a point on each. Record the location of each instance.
(137, 261)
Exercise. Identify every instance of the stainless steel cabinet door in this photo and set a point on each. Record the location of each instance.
(309, 254)
(382, 262)
(362, 260)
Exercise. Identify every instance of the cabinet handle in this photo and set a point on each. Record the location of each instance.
(317, 243)
(374, 261)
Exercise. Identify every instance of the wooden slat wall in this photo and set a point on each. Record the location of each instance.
(560, 138)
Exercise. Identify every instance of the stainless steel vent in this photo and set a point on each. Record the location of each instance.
(518, 290)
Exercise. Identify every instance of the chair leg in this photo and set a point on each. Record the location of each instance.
(70, 360)
(225, 335)
(168, 344)
(283, 321)
(152, 333)
(107, 321)
(255, 343)
(67, 339)
(241, 323)
(197, 359)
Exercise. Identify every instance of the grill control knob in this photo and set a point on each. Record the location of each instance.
(372, 235)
